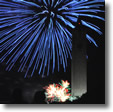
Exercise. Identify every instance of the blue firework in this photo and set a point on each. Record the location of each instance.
(36, 33)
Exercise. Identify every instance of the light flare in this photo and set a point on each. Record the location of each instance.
(58, 92)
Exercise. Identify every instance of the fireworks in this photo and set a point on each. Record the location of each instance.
(36, 33)
(58, 92)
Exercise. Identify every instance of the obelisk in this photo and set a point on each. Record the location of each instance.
(79, 61)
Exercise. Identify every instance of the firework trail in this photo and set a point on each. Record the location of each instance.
(36, 33)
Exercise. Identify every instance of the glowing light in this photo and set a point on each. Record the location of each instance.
(58, 92)
(65, 83)
(36, 33)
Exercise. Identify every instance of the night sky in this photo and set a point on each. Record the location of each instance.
(14, 88)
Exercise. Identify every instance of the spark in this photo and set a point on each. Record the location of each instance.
(36, 33)
(58, 92)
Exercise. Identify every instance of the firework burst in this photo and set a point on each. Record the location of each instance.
(36, 33)
(58, 92)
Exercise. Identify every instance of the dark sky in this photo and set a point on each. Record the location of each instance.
(13, 84)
